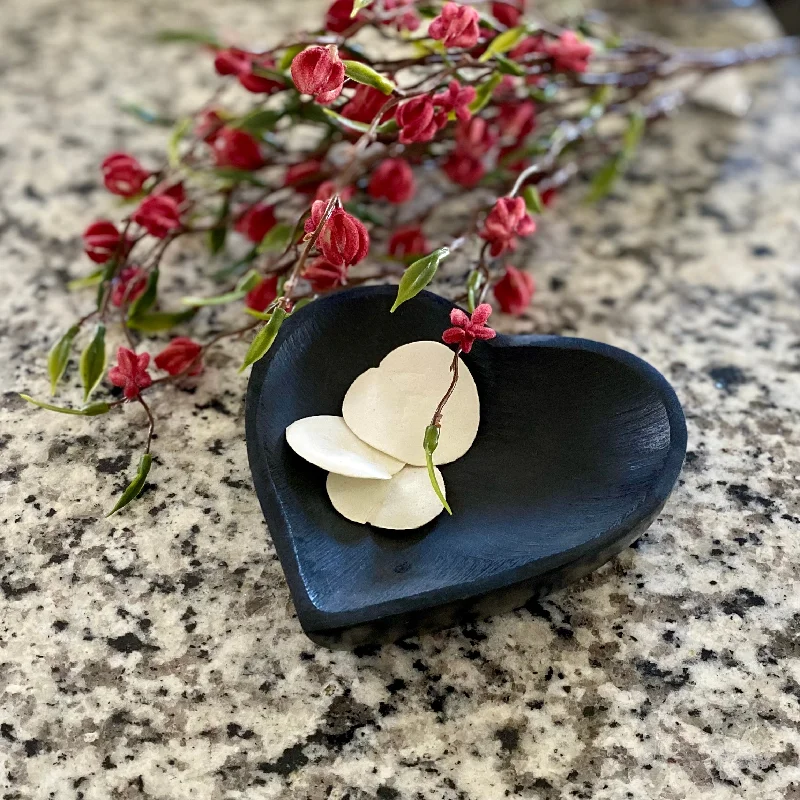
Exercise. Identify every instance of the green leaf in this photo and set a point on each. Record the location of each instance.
(533, 200)
(633, 134)
(143, 115)
(418, 276)
(258, 121)
(474, 283)
(87, 411)
(144, 302)
(58, 357)
(344, 122)
(262, 315)
(484, 92)
(249, 281)
(264, 339)
(93, 361)
(361, 73)
(604, 179)
(159, 321)
(430, 443)
(277, 239)
(288, 56)
(171, 35)
(135, 486)
(173, 145)
(503, 43)
(218, 234)
(301, 303)
(508, 67)
(216, 300)
(358, 5)
(88, 280)
(108, 273)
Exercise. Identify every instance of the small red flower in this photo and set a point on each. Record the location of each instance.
(128, 285)
(256, 222)
(393, 180)
(130, 372)
(365, 104)
(419, 120)
(456, 26)
(263, 294)
(259, 84)
(236, 148)
(181, 355)
(338, 19)
(209, 124)
(569, 53)
(327, 189)
(508, 13)
(324, 276)
(319, 71)
(405, 17)
(514, 290)
(548, 196)
(408, 241)
(508, 219)
(176, 191)
(101, 241)
(517, 120)
(456, 98)
(158, 215)
(123, 174)
(468, 329)
(317, 212)
(343, 240)
(464, 169)
(475, 137)
(230, 61)
(304, 177)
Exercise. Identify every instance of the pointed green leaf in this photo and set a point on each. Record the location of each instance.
(262, 315)
(144, 302)
(159, 321)
(258, 121)
(361, 73)
(216, 239)
(264, 338)
(507, 66)
(604, 179)
(173, 145)
(87, 411)
(249, 281)
(301, 303)
(135, 486)
(484, 93)
(358, 5)
(277, 239)
(58, 357)
(170, 35)
(430, 443)
(474, 283)
(216, 300)
(344, 123)
(93, 361)
(503, 43)
(108, 273)
(88, 280)
(288, 56)
(533, 200)
(418, 276)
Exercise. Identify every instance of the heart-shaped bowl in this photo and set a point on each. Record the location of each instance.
(579, 446)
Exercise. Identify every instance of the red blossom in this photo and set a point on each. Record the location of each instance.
(176, 191)
(319, 71)
(365, 104)
(304, 177)
(260, 84)
(130, 372)
(569, 53)
(338, 19)
(209, 124)
(548, 196)
(317, 212)
(408, 241)
(128, 285)
(529, 45)
(324, 276)
(158, 215)
(419, 120)
(508, 13)
(236, 148)
(101, 241)
(123, 174)
(456, 98)
(231, 61)
(456, 26)
(405, 17)
(256, 222)
(514, 290)
(508, 219)
(259, 297)
(464, 169)
(343, 240)
(517, 120)
(392, 180)
(475, 138)
(181, 355)
(327, 189)
(468, 329)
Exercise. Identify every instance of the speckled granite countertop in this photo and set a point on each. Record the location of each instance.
(157, 655)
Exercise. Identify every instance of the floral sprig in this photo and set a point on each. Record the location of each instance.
(488, 106)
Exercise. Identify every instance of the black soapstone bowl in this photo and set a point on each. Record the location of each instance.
(579, 446)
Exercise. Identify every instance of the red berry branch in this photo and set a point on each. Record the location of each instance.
(480, 105)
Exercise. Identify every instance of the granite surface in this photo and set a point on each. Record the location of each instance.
(156, 655)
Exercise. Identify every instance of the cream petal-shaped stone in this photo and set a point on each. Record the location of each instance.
(390, 406)
(404, 502)
(329, 443)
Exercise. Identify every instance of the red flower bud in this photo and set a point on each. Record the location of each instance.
(131, 372)
(324, 276)
(517, 120)
(475, 138)
(344, 240)
(514, 290)
(365, 104)
(319, 71)
(393, 180)
(263, 294)
(464, 169)
(400, 14)
(338, 19)
(508, 219)
(209, 124)
(101, 241)
(456, 26)
(230, 61)
(569, 53)
(179, 356)
(236, 148)
(456, 98)
(508, 13)
(260, 84)
(467, 329)
(158, 215)
(175, 190)
(128, 285)
(305, 177)
(123, 174)
(418, 120)
(256, 222)
(408, 241)
(317, 212)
